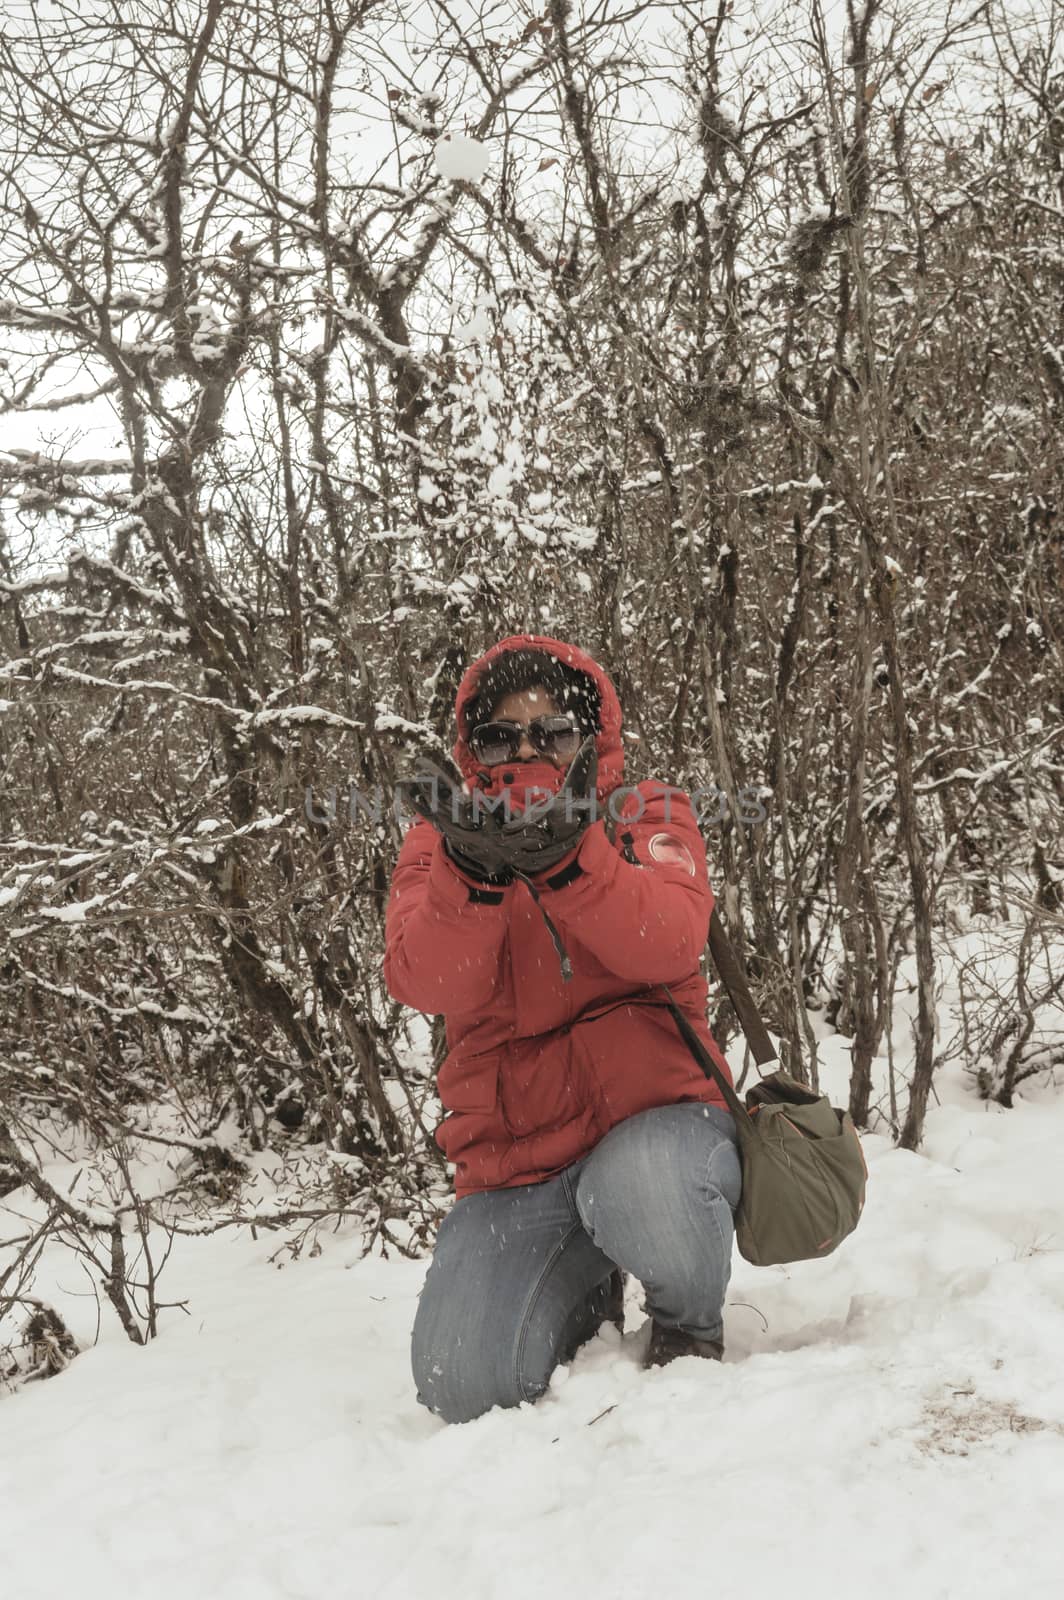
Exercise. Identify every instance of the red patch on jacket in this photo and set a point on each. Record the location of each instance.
(672, 852)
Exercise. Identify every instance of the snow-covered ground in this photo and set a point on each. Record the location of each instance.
(889, 1420)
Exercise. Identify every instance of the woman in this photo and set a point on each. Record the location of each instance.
(586, 1139)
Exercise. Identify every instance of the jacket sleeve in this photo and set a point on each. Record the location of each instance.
(443, 932)
(641, 904)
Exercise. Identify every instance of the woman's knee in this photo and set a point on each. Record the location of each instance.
(507, 1297)
(466, 1365)
(469, 1354)
(455, 1385)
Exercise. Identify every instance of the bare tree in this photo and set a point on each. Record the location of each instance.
(736, 355)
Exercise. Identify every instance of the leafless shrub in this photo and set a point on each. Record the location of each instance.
(764, 406)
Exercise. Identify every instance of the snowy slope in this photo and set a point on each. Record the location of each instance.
(890, 1419)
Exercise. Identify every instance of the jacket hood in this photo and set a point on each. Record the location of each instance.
(515, 775)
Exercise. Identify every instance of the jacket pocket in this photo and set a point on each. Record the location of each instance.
(469, 1083)
(541, 1086)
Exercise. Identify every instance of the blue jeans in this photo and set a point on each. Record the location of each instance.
(519, 1278)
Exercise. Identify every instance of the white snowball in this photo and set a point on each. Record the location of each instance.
(458, 156)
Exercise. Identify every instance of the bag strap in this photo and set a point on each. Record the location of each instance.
(734, 981)
(704, 1059)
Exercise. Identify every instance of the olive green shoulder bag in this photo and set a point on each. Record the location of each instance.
(804, 1171)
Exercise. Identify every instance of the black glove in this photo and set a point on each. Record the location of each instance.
(470, 837)
(537, 843)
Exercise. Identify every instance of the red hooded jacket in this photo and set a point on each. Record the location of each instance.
(538, 1070)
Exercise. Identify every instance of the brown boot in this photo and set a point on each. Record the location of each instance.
(668, 1343)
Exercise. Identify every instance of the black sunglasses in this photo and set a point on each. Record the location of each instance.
(556, 737)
